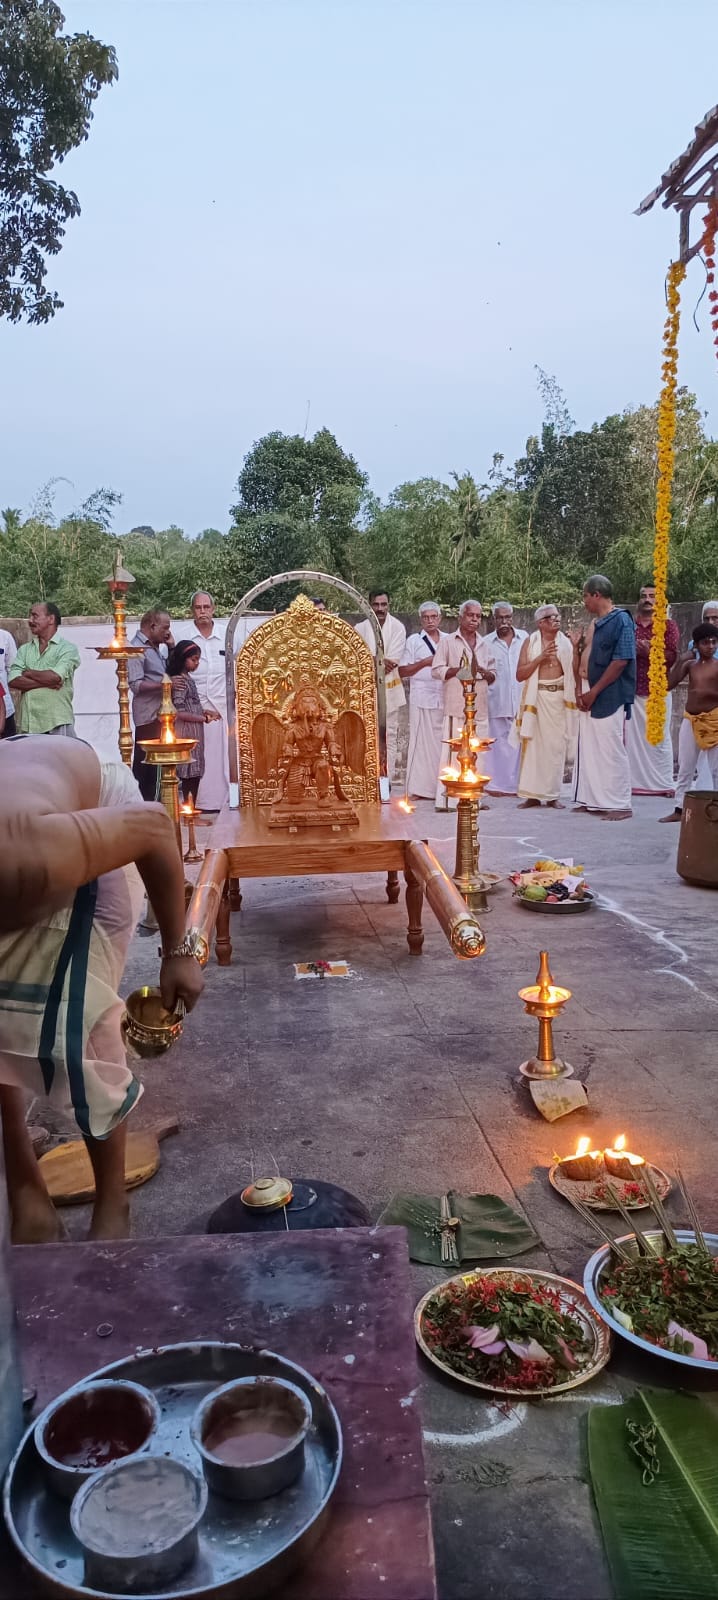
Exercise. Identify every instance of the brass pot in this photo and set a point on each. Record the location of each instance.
(147, 1027)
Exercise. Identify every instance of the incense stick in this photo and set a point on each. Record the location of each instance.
(619, 1206)
(588, 1216)
(657, 1205)
(690, 1208)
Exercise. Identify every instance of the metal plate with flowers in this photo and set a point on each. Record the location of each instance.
(573, 1300)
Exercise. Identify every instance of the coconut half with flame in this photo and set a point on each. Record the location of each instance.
(620, 1162)
(583, 1167)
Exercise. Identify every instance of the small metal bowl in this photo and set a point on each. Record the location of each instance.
(147, 1026)
(78, 1433)
(138, 1522)
(268, 1419)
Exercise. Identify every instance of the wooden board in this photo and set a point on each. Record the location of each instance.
(67, 1170)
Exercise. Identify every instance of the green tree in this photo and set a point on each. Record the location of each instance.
(407, 543)
(49, 82)
(310, 491)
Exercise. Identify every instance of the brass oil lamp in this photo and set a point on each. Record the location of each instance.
(119, 651)
(190, 816)
(545, 1000)
(467, 786)
(168, 752)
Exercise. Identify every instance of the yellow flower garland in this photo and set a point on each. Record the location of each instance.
(657, 683)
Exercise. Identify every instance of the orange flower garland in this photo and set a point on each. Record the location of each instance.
(657, 684)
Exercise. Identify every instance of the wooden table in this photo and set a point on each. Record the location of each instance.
(338, 1303)
(377, 844)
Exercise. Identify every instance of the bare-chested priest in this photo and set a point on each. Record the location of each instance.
(69, 896)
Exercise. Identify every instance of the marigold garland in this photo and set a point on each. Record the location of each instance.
(657, 684)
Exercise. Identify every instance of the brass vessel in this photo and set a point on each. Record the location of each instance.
(148, 1028)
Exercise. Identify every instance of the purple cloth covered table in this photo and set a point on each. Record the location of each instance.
(338, 1303)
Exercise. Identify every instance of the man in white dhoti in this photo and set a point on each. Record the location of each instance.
(426, 703)
(211, 685)
(68, 904)
(544, 733)
(651, 764)
(602, 775)
(501, 762)
(393, 635)
(465, 648)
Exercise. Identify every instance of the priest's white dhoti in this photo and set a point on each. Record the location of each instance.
(651, 764)
(543, 757)
(602, 775)
(424, 759)
(501, 762)
(452, 728)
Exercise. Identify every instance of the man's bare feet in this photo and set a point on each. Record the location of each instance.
(524, 805)
(555, 805)
(673, 816)
(110, 1221)
(34, 1219)
(615, 816)
(579, 808)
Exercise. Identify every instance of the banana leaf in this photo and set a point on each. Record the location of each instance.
(661, 1538)
(490, 1230)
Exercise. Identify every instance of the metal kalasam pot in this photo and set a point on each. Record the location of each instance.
(698, 841)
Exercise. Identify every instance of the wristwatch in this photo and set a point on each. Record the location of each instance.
(188, 946)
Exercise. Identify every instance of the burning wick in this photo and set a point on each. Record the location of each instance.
(404, 806)
(619, 1161)
(585, 1165)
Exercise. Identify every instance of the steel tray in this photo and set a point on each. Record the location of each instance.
(244, 1550)
(593, 1274)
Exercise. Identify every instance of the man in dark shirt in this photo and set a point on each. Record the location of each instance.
(606, 669)
(651, 764)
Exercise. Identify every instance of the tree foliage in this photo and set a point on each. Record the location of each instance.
(576, 501)
(49, 82)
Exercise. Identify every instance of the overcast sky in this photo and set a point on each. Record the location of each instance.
(377, 214)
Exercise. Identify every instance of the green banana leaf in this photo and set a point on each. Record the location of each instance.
(661, 1538)
(490, 1230)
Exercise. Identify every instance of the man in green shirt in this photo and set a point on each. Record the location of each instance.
(44, 669)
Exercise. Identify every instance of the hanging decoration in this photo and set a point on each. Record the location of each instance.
(657, 683)
(707, 250)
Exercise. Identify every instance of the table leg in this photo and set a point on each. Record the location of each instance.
(414, 906)
(235, 895)
(392, 887)
(223, 943)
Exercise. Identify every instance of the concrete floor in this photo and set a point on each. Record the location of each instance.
(405, 1077)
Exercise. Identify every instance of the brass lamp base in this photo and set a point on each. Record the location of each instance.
(534, 1068)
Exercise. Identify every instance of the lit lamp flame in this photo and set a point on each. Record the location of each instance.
(583, 1146)
(619, 1159)
(405, 806)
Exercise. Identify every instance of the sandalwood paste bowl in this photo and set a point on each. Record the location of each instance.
(138, 1523)
(250, 1436)
(92, 1427)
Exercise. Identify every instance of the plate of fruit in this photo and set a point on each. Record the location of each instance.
(552, 886)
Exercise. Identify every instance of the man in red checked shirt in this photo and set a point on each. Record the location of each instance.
(651, 764)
